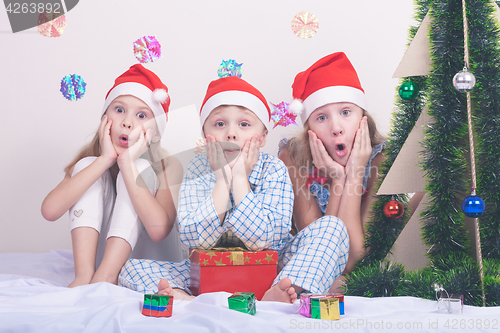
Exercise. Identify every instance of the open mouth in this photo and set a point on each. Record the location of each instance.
(231, 151)
(230, 148)
(124, 140)
(341, 150)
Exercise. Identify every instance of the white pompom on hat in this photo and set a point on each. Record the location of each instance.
(331, 79)
(233, 90)
(142, 83)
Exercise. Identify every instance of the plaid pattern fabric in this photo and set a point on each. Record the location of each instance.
(316, 256)
(261, 220)
(143, 275)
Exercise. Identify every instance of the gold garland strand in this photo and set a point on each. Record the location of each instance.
(472, 153)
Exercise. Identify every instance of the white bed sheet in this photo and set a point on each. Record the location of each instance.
(34, 298)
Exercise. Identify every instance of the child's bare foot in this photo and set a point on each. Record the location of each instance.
(104, 278)
(281, 292)
(164, 289)
(79, 281)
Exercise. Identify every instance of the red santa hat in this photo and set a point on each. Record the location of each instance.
(145, 85)
(331, 79)
(233, 90)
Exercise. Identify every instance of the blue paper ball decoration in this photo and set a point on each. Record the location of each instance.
(408, 90)
(473, 206)
(73, 87)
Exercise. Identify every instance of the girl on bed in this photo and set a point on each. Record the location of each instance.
(333, 162)
(117, 185)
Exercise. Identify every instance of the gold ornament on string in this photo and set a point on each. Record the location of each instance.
(472, 153)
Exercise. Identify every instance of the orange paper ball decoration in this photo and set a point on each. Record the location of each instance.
(394, 209)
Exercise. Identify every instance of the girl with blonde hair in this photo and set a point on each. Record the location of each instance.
(332, 165)
(118, 184)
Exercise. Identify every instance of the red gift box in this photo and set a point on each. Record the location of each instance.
(233, 270)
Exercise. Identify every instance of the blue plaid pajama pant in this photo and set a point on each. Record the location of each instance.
(316, 256)
(312, 260)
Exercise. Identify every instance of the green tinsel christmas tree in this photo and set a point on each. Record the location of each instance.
(446, 152)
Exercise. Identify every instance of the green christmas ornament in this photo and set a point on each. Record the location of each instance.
(408, 90)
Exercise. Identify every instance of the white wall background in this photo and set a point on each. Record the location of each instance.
(41, 131)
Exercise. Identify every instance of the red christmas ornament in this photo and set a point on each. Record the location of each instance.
(394, 209)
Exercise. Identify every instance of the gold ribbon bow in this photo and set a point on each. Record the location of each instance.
(237, 254)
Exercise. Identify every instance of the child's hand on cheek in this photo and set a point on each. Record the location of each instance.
(218, 161)
(326, 165)
(248, 157)
(361, 151)
(138, 148)
(108, 151)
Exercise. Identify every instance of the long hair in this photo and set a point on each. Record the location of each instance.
(300, 151)
(155, 154)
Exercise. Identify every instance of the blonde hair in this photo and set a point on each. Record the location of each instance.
(300, 152)
(155, 155)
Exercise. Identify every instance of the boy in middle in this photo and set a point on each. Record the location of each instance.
(234, 195)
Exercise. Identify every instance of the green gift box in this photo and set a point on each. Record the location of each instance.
(325, 307)
(242, 302)
(157, 306)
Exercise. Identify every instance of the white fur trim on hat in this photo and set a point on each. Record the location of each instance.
(333, 94)
(236, 97)
(296, 107)
(143, 93)
(160, 95)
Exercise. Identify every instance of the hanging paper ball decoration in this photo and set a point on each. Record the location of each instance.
(394, 209)
(473, 206)
(51, 25)
(408, 90)
(464, 81)
(229, 68)
(201, 146)
(281, 114)
(305, 25)
(73, 87)
(147, 49)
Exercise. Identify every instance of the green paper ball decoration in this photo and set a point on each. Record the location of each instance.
(464, 81)
(408, 90)
(473, 206)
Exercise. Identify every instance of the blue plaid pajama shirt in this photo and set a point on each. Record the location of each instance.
(261, 220)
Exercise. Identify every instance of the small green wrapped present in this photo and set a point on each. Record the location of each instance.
(325, 307)
(242, 302)
(157, 306)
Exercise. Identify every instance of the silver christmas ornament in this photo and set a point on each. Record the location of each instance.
(464, 81)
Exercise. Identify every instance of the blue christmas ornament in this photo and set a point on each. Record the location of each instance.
(473, 206)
